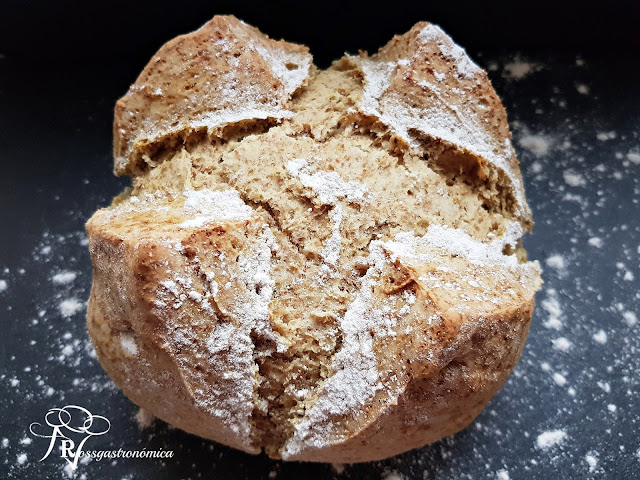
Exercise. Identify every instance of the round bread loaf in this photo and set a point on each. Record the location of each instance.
(324, 264)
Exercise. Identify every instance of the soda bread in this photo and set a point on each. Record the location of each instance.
(324, 264)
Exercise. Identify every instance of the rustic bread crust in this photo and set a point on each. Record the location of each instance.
(226, 72)
(252, 291)
(152, 339)
(422, 86)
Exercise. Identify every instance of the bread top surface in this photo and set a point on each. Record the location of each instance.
(422, 88)
(225, 72)
(381, 208)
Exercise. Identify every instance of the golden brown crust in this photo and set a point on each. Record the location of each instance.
(166, 284)
(443, 401)
(459, 337)
(431, 95)
(342, 287)
(160, 294)
(225, 72)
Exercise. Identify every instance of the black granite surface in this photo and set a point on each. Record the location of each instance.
(576, 123)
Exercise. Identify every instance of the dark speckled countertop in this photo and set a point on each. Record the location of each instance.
(570, 410)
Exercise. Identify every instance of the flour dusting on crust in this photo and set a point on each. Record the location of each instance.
(207, 206)
(229, 350)
(447, 111)
(291, 68)
(329, 189)
(466, 67)
(328, 186)
(222, 74)
(357, 378)
(441, 239)
(297, 264)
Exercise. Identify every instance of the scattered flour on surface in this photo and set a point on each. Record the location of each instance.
(604, 136)
(556, 261)
(582, 89)
(592, 461)
(634, 157)
(552, 306)
(539, 145)
(3, 285)
(536, 167)
(70, 307)
(69, 471)
(600, 336)
(550, 439)
(21, 458)
(573, 179)
(502, 475)
(560, 380)
(63, 278)
(561, 344)
(144, 418)
(595, 242)
(630, 318)
(628, 275)
(393, 476)
(519, 69)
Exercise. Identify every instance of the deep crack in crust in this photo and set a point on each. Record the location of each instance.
(442, 332)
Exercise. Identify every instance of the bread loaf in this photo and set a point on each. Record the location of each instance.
(322, 264)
